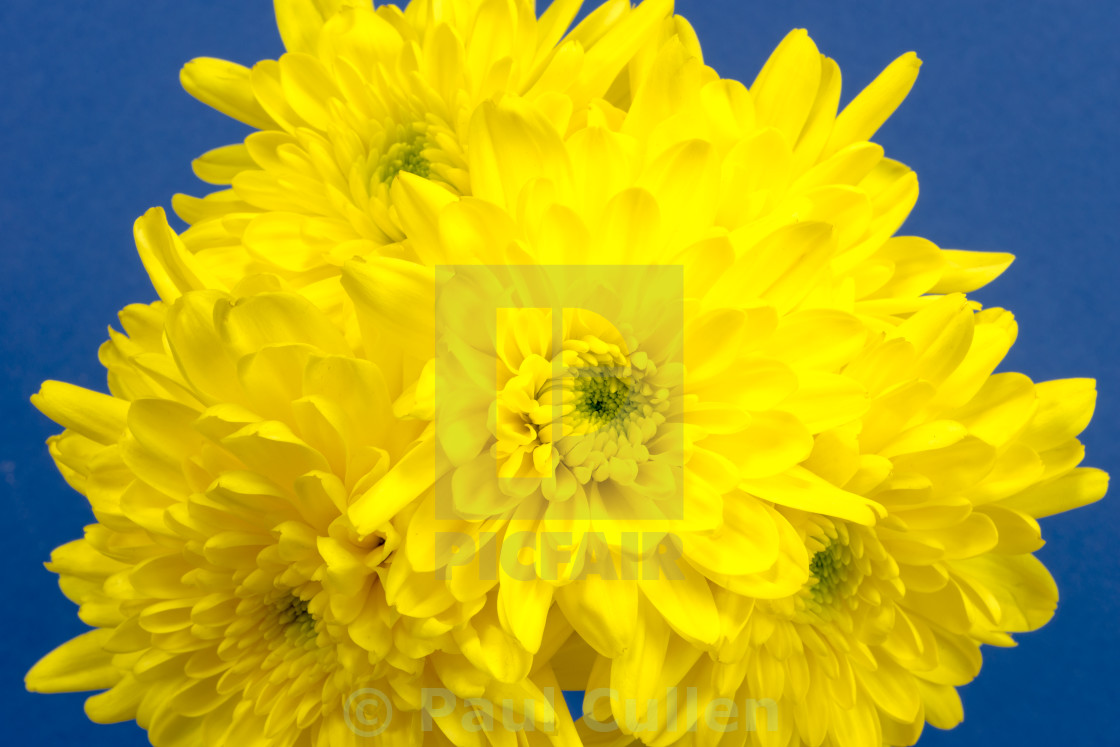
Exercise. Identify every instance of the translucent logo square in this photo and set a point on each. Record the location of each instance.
(558, 383)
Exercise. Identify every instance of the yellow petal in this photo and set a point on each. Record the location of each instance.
(81, 663)
(225, 86)
(96, 416)
(1022, 587)
(799, 488)
(968, 271)
(746, 543)
(407, 479)
(524, 608)
(871, 108)
(823, 401)
(220, 165)
(1078, 488)
(686, 603)
(1018, 532)
(770, 444)
(300, 22)
(117, 704)
(509, 147)
(683, 180)
(280, 238)
(308, 88)
(603, 611)
(892, 688)
(943, 707)
(248, 324)
(419, 202)
(608, 55)
(381, 289)
(634, 675)
(786, 88)
(1000, 409)
(822, 339)
(1065, 408)
(172, 268)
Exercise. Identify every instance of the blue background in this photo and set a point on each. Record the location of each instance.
(1012, 129)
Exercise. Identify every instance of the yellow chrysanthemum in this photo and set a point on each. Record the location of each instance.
(895, 611)
(232, 600)
(362, 95)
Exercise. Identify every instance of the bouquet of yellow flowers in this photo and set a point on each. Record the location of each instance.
(512, 358)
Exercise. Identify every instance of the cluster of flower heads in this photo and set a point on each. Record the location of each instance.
(512, 359)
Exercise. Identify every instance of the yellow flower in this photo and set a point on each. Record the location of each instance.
(232, 600)
(894, 613)
(362, 95)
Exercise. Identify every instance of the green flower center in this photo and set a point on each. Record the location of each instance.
(406, 154)
(296, 620)
(829, 568)
(603, 398)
